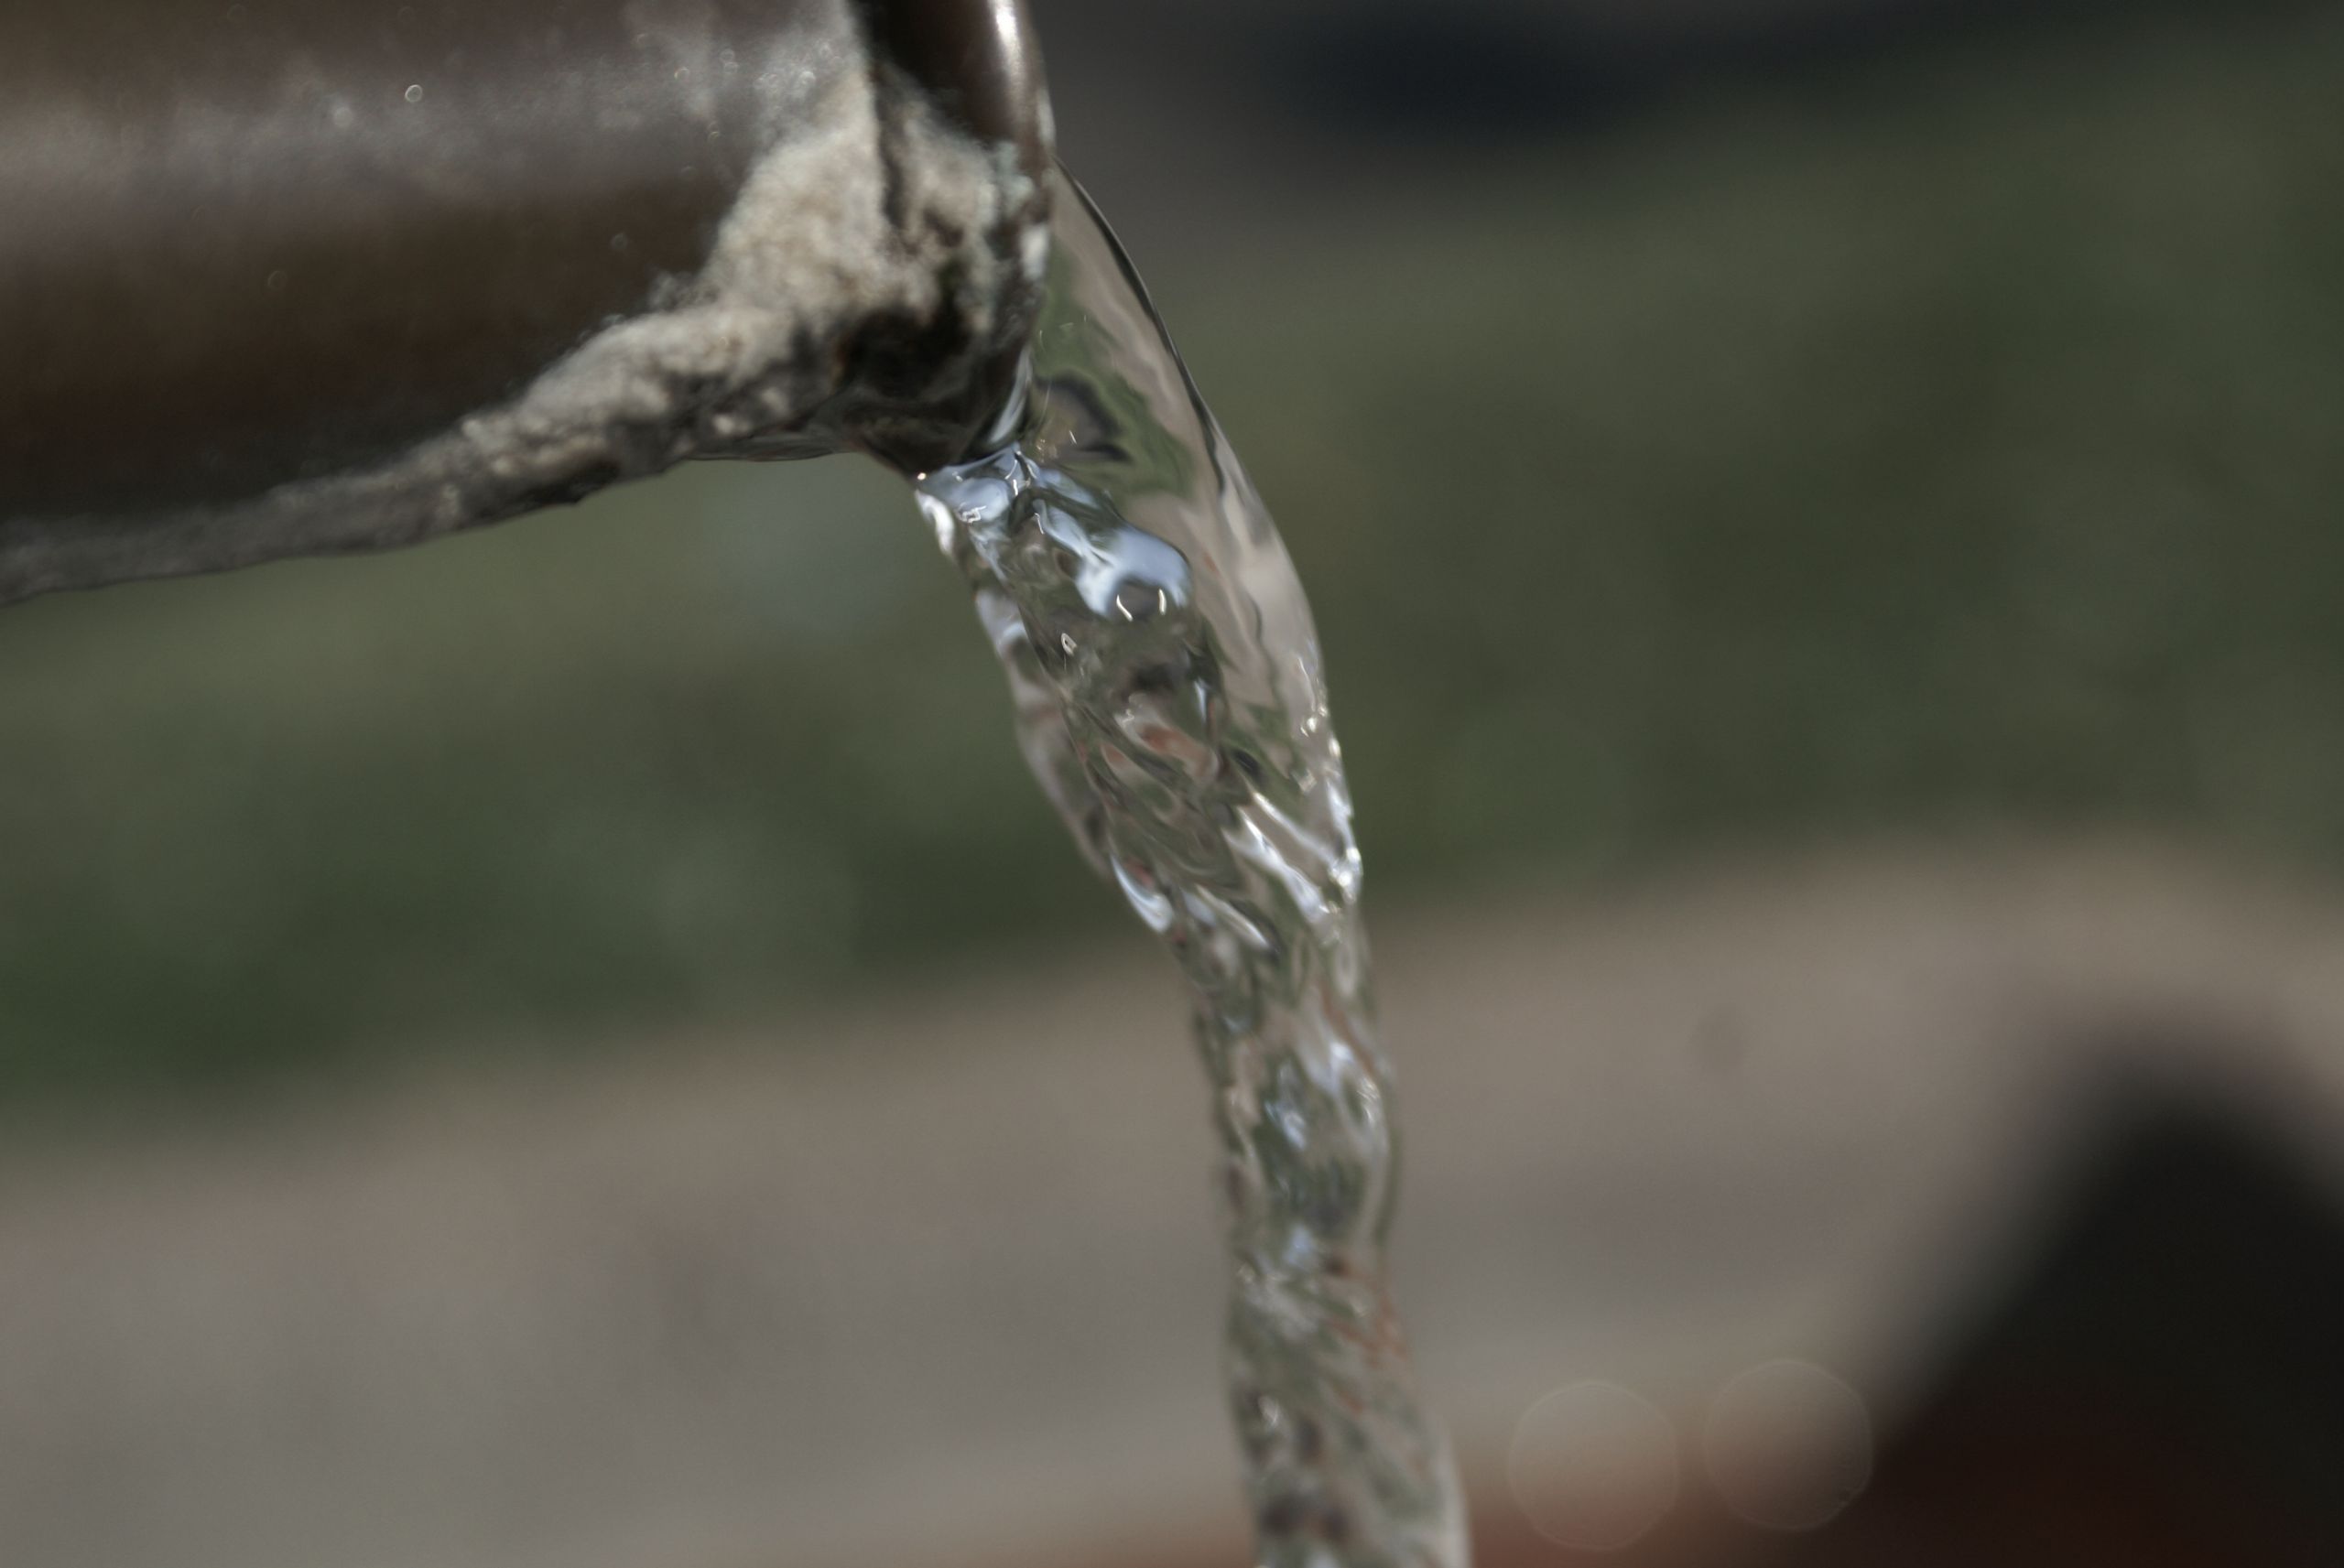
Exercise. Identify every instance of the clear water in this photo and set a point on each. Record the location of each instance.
(1170, 699)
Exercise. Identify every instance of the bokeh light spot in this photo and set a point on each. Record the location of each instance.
(1788, 1445)
(1594, 1467)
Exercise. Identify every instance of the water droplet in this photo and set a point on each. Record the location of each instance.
(1140, 601)
(415, 93)
(277, 281)
(1145, 898)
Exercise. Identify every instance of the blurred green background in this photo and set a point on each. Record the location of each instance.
(1940, 435)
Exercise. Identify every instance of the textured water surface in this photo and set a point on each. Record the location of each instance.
(1170, 699)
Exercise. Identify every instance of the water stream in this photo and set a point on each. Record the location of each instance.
(1170, 699)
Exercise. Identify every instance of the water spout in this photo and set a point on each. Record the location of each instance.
(283, 279)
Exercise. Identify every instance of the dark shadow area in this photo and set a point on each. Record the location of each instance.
(2161, 1386)
(1412, 72)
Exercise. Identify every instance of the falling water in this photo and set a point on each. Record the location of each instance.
(1169, 697)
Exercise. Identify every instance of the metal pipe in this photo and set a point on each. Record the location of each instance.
(292, 276)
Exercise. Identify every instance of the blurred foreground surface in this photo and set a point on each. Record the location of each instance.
(582, 1047)
(939, 1287)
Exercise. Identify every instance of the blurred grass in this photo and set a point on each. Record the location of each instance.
(1959, 440)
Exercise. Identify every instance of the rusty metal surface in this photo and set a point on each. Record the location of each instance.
(273, 269)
